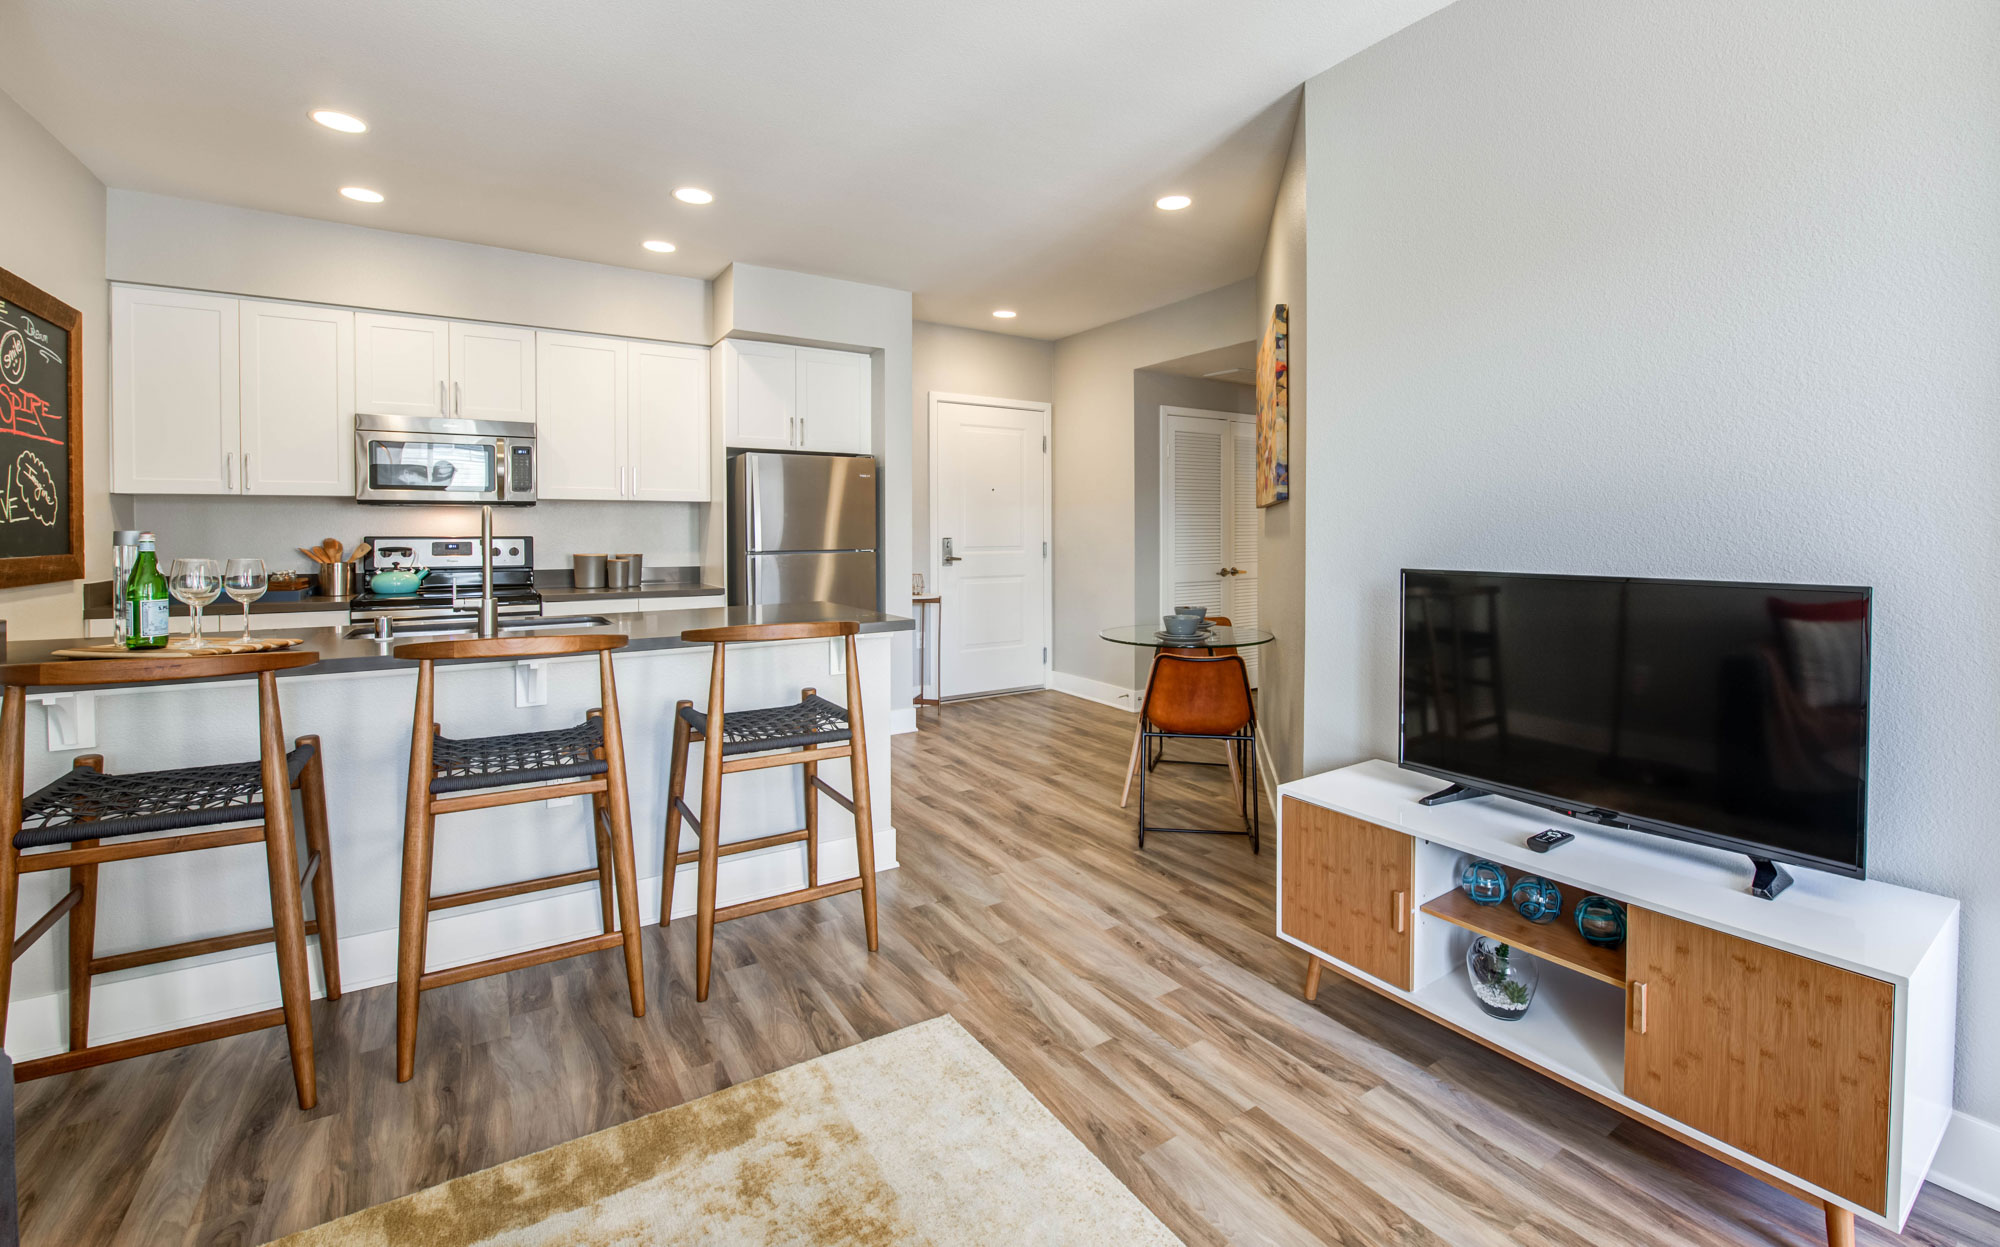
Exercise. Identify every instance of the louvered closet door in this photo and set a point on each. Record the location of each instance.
(1209, 519)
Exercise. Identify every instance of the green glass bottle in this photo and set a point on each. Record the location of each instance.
(146, 600)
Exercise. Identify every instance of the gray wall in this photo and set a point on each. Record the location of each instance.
(1150, 391)
(52, 236)
(1678, 288)
(1281, 543)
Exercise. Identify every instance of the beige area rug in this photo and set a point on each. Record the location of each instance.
(919, 1137)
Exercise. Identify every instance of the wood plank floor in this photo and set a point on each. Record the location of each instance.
(1142, 997)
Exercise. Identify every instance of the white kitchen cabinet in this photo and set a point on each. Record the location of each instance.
(836, 401)
(174, 392)
(778, 397)
(297, 381)
(402, 365)
(492, 372)
(581, 406)
(666, 443)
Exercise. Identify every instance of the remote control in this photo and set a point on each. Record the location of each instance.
(1543, 841)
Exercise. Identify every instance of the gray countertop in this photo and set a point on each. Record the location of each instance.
(648, 630)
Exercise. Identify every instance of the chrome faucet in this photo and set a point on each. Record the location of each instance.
(489, 610)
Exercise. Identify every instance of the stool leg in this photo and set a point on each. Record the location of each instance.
(864, 821)
(418, 823)
(288, 919)
(312, 796)
(676, 789)
(600, 813)
(82, 930)
(811, 770)
(13, 710)
(619, 799)
(711, 831)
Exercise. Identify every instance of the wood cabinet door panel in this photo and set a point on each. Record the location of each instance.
(1347, 889)
(1787, 1058)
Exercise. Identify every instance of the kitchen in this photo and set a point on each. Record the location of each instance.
(246, 425)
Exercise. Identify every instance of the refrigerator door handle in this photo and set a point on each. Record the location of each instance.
(753, 512)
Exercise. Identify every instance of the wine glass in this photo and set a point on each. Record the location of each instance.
(196, 582)
(245, 580)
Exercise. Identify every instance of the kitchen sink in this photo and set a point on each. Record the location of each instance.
(470, 626)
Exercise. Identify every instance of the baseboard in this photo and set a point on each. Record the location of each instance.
(142, 1003)
(1968, 1161)
(1104, 694)
(903, 720)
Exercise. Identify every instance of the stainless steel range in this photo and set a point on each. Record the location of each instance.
(452, 590)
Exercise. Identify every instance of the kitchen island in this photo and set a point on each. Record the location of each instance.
(360, 701)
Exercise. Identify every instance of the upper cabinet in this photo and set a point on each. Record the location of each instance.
(174, 415)
(298, 398)
(423, 366)
(777, 397)
(622, 420)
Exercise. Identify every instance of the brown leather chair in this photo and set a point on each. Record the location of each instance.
(804, 734)
(1203, 697)
(476, 773)
(66, 824)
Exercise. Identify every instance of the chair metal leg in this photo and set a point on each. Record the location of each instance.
(676, 790)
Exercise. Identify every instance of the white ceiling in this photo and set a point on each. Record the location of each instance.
(979, 154)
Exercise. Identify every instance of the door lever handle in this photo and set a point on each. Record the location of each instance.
(949, 557)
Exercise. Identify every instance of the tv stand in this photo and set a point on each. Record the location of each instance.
(1844, 996)
(1769, 878)
(1457, 792)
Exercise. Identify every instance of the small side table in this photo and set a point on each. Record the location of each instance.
(929, 610)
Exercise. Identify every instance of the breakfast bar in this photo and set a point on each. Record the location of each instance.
(358, 700)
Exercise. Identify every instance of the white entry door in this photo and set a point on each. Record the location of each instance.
(1208, 519)
(989, 511)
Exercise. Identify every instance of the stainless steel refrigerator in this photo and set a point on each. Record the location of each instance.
(802, 528)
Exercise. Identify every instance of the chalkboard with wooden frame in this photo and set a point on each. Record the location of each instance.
(41, 436)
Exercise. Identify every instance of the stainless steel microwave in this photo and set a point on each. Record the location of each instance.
(440, 461)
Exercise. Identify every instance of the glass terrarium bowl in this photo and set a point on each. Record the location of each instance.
(1503, 978)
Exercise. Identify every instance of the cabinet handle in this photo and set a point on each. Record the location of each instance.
(794, 434)
(1638, 1007)
(1401, 910)
(457, 399)
(229, 469)
(441, 410)
(246, 471)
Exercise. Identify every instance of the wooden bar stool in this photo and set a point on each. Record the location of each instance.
(67, 824)
(813, 731)
(447, 776)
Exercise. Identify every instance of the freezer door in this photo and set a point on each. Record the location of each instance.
(805, 502)
(847, 579)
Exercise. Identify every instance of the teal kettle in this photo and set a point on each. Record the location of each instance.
(397, 581)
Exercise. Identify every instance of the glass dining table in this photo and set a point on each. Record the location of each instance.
(1152, 636)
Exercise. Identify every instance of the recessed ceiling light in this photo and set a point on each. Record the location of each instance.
(1172, 203)
(654, 244)
(339, 121)
(362, 194)
(1006, 314)
(693, 195)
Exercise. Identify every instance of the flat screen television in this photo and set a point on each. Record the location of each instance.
(1728, 714)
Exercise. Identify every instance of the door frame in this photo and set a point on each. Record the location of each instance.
(1167, 413)
(933, 567)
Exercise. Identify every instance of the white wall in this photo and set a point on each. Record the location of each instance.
(774, 304)
(1281, 545)
(1678, 288)
(945, 359)
(52, 236)
(1094, 480)
(205, 246)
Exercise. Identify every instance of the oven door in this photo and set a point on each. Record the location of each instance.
(436, 466)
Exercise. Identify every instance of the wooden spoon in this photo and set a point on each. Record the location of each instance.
(332, 547)
(314, 553)
(359, 552)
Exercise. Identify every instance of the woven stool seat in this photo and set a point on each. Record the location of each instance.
(814, 721)
(90, 805)
(523, 758)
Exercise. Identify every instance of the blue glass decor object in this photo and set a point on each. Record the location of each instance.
(1484, 882)
(1601, 920)
(1538, 899)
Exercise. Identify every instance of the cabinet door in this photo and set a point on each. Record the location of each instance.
(402, 365)
(836, 401)
(298, 399)
(1787, 1058)
(667, 425)
(1346, 890)
(580, 400)
(760, 389)
(492, 372)
(174, 392)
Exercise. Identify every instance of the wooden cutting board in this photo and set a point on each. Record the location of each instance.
(209, 649)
